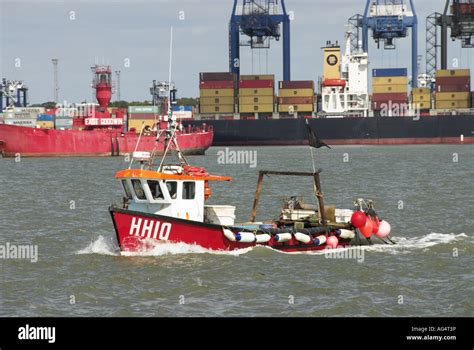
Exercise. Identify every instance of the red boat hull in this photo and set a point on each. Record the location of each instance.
(35, 142)
(138, 231)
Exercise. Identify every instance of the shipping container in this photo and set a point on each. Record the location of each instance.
(453, 88)
(390, 81)
(183, 114)
(256, 100)
(453, 80)
(389, 72)
(28, 122)
(422, 105)
(212, 76)
(421, 98)
(256, 84)
(217, 84)
(395, 97)
(217, 109)
(421, 91)
(45, 124)
(295, 108)
(453, 96)
(390, 105)
(387, 89)
(258, 77)
(137, 124)
(452, 104)
(295, 93)
(30, 110)
(295, 100)
(216, 100)
(183, 108)
(45, 117)
(142, 109)
(260, 108)
(152, 116)
(219, 92)
(453, 73)
(257, 92)
(297, 84)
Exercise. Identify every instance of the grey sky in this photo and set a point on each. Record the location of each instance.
(111, 31)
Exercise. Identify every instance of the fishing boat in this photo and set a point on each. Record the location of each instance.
(166, 203)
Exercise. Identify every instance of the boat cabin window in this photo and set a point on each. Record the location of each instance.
(189, 189)
(138, 188)
(155, 189)
(172, 187)
(128, 194)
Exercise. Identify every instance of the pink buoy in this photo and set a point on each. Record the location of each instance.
(332, 242)
(384, 229)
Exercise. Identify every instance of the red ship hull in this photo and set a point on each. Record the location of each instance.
(138, 231)
(34, 142)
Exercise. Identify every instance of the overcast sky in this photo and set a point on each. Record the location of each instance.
(83, 32)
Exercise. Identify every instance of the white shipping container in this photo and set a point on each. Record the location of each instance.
(183, 114)
(29, 122)
(33, 110)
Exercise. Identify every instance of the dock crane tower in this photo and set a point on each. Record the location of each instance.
(388, 20)
(458, 15)
(259, 20)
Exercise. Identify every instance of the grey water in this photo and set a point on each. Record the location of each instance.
(59, 205)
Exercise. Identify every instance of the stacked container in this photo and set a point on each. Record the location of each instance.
(389, 88)
(256, 93)
(453, 88)
(217, 93)
(421, 98)
(296, 96)
(45, 121)
(139, 116)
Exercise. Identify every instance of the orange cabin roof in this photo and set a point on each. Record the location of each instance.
(149, 174)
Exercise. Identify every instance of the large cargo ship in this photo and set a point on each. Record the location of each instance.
(99, 133)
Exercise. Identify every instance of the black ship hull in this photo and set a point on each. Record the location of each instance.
(449, 129)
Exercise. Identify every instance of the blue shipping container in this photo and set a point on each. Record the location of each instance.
(389, 72)
(45, 118)
(183, 108)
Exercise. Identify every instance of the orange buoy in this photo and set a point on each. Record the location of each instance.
(366, 230)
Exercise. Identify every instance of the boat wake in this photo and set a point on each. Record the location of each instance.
(107, 246)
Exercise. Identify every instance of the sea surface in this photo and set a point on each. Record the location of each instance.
(60, 206)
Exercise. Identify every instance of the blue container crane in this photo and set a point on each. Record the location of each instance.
(260, 21)
(390, 20)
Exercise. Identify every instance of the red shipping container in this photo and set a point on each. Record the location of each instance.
(256, 84)
(394, 97)
(297, 84)
(217, 84)
(453, 88)
(216, 76)
(453, 80)
(295, 100)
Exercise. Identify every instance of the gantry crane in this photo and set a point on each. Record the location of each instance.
(260, 21)
(388, 20)
(460, 19)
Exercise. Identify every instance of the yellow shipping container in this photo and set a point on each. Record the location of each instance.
(390, 81)
(295, 108)
(258, 77)
(45, 124)
(453, 73)
(251, 108)
(295, 92)
(421, 98)
(217, 100)
(386, 89)
(250, 100)
(421, 91)
(422, 105)
(452, 104)
(453, 96)
(137, 124)
(217, 92)
(257, 92)
(213, 109)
